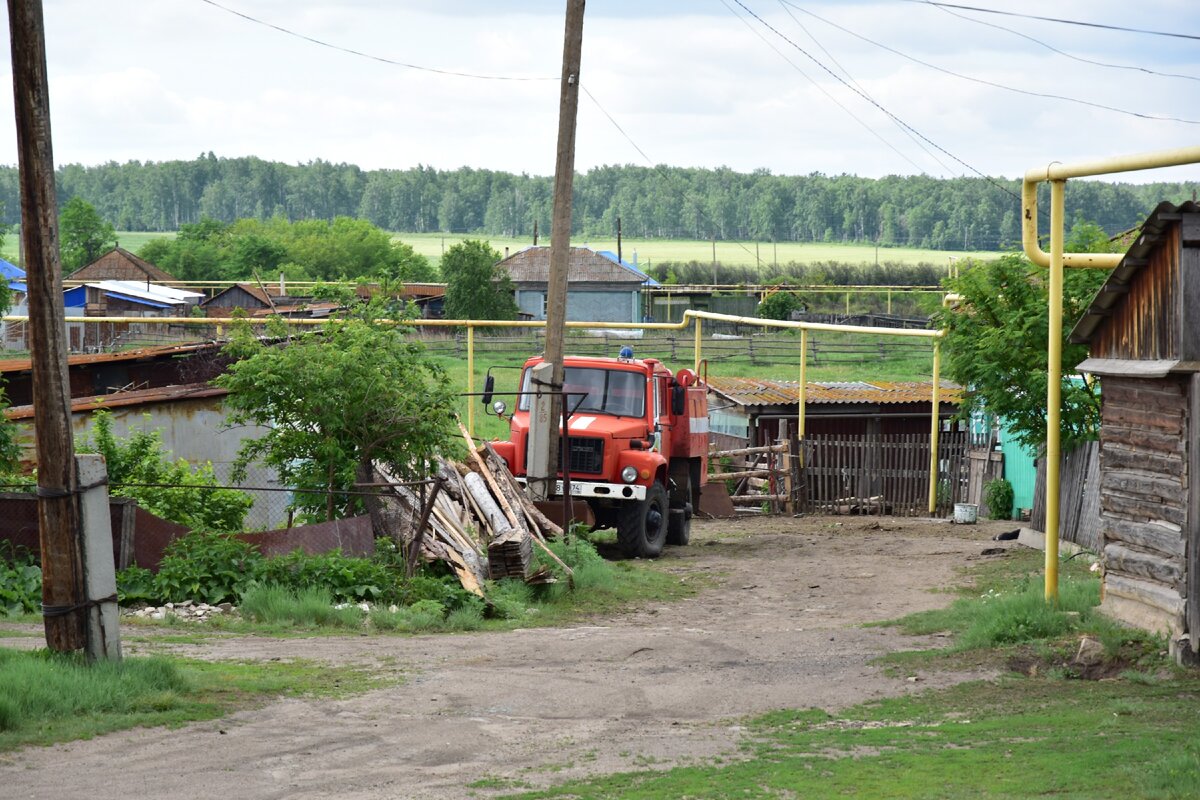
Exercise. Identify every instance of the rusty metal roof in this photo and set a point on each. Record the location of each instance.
(759, 392)
(140, 354)
(139, 397)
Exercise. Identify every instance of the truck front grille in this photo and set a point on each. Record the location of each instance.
(586, 456)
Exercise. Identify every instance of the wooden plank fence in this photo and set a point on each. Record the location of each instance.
(882, 474)
(1079, 497)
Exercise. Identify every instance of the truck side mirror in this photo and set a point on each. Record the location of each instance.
(489, 386)
(678, 400)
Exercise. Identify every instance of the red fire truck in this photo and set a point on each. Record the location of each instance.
(638, 445)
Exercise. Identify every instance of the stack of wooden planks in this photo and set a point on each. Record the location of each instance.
(475, 517)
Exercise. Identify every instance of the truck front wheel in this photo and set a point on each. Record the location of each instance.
(642, 526)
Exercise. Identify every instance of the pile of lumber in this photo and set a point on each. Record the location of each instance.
(475, 517)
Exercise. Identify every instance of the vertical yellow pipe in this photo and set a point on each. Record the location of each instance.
(889, 296)
(803, 396)
(935, 425)
(847, 304)
(696, 347)
(471, 379)
(1054, 387)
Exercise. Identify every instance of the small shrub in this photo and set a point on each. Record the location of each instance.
(998, 496)
(425, 615)
(348, 579)
(136, 585)
(510, 598)
(20, 582)
(210, 567)
(468, 617)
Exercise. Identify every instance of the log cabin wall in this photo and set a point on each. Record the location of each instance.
(1143, 329)
(1144, 501)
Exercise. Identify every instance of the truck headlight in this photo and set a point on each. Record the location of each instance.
(629, 474)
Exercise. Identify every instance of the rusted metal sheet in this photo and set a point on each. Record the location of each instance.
(759, 392)
(353, 537)
(140, 397)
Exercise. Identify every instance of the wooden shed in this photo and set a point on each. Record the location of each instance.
(1143, 329)
(119, 264)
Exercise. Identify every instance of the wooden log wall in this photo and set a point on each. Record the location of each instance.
(1144, 497)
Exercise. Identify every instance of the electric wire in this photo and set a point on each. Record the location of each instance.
(369, 56)
(877, 104)
(1121, 28)
(1132, 68)
(993, 84)
(846, 72)
(826, 92)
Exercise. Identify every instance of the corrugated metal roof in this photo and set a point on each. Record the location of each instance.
(151, 292)
(532, 265)
(141, 354)
(141, 397)
(759, 392)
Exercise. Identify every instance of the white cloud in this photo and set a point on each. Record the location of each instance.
(688, 82)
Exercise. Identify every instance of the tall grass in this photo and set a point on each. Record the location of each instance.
(307, 607)
(41, 687)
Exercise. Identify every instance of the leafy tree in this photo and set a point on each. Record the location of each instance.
(476, 286)
(83, 235)
(336, 400)
(138, 468)
(779, 305)
(996, 341)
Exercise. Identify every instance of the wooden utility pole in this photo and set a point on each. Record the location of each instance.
(59, 518)
(560, 231)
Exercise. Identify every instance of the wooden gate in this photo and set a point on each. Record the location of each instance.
(882, 474)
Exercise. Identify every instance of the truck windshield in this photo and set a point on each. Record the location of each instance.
(607, 391)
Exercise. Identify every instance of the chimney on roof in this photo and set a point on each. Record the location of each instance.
(282, 285)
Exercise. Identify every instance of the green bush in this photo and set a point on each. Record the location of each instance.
(998, 496)
(347, 579)
(20, 582)
(209, 567)
(136, 585)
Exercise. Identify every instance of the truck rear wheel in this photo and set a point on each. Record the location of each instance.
(679, 525)
(642, 526)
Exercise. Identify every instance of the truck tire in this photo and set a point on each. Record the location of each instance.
(642, 526)
(679, 526)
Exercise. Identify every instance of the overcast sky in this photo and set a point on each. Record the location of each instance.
(698, 83)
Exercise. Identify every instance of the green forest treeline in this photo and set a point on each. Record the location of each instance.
(661, 202)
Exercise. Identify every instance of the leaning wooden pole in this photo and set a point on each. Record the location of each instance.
(560, 232)
(59, 518)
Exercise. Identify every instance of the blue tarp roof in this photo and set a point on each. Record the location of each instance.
(11, 271)
(611, 256)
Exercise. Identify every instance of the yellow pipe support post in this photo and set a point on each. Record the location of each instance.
(471, 379)
(935, 426)
(803, 398)
(1054, 387)
(696, 354)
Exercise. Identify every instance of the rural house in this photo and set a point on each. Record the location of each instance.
(119, 264)
(601, 287)
(1143, 329)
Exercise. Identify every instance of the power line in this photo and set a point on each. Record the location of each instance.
(875, 103)
(1061, 21)
(993, 84)
(825, 92)
(946, 10)
(817, 42)
(360, 54)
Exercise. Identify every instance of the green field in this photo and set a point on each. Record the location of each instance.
(432, 245)
(645, 251)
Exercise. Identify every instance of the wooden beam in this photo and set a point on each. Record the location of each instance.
(59, 518)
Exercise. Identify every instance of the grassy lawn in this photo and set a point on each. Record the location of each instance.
(47, 698)
(432, 245)
(1048, 727)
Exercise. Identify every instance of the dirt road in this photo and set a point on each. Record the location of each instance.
(780, 627)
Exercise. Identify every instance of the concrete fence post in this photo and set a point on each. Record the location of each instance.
(99, 570)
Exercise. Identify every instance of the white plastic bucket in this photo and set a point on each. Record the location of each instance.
(965, 513)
